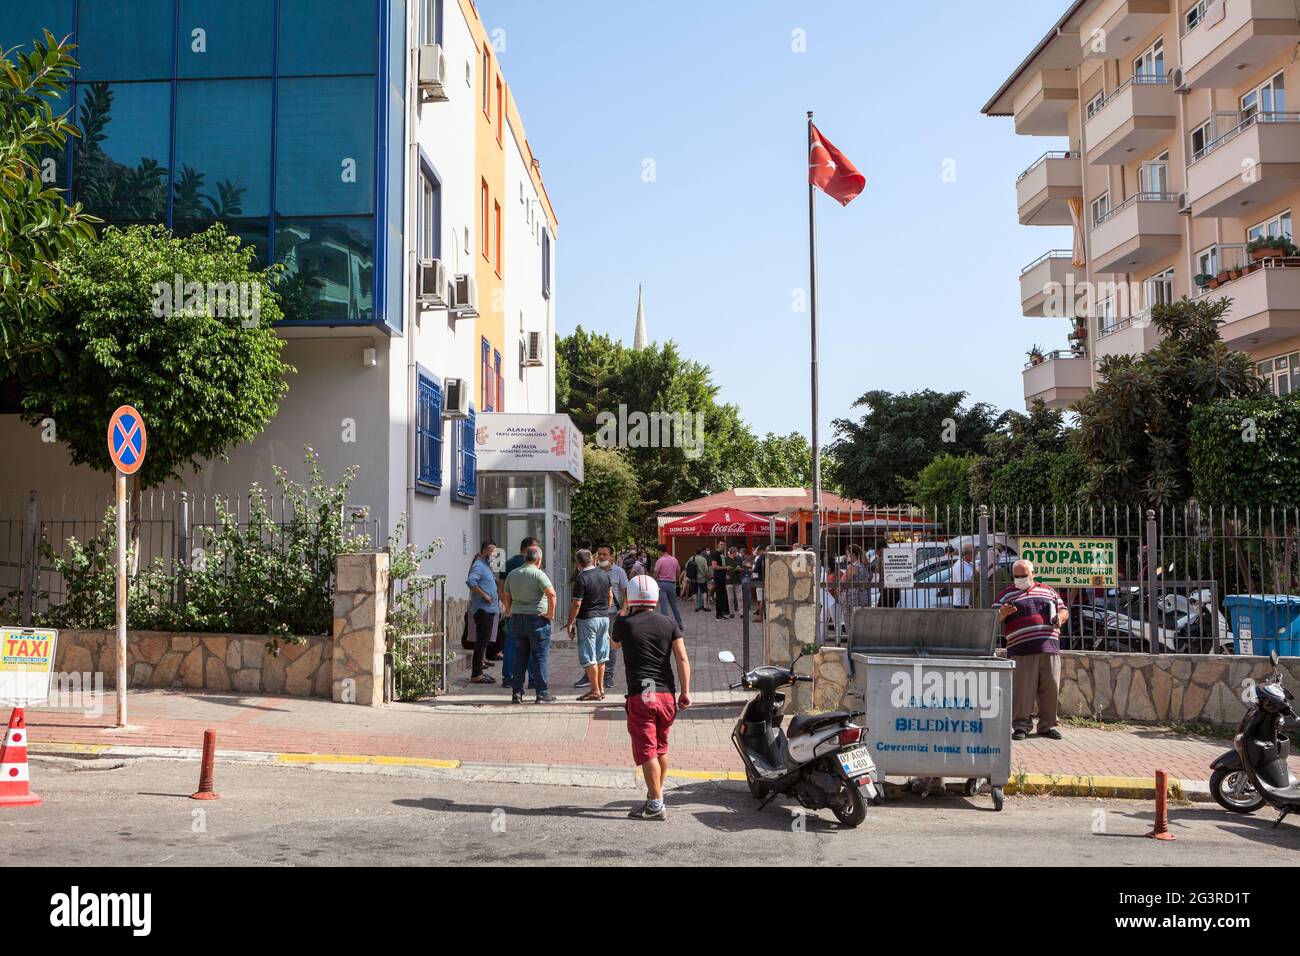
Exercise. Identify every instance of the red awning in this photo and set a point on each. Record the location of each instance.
(721, 522)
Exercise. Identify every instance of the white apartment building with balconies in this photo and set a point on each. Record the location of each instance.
(1178, 147)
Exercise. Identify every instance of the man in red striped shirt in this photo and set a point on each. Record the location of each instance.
(1033, 614)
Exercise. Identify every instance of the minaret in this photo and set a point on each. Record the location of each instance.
(639, 338)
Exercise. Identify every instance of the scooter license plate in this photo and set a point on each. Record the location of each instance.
(856, 762)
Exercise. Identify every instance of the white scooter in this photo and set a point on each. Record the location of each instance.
(822, 763)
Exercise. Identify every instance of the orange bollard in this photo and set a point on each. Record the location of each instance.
(15, 779)
(205, 772)
(1161, 832)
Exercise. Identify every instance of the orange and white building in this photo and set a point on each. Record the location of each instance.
(1173, 143)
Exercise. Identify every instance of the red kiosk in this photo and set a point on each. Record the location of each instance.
(707, 528)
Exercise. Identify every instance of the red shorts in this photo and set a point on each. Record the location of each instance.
(649, 718)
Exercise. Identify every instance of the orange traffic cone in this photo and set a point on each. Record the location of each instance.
(15, 789)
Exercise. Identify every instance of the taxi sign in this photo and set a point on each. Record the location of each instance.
(26, 664)
(127, 440)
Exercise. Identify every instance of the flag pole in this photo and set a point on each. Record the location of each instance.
(816, 449)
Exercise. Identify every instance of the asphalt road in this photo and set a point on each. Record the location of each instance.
(139, 814)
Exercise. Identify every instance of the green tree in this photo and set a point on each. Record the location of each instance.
(943, 486)
(777, 461)
(901, 433)
(203, 380)
(36, 225)
(605, 503)
(1134, 427)
(1028, 462)
(1246, 453)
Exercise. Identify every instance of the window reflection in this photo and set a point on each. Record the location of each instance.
(125, 39)
(329, 269)
(237, 38)
(121, 157)
(223, 140)
(22, 21)
(328, 37)
(326, 144)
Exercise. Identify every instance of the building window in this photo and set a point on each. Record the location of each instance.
(1158, 290)
(1207, 260)
(1106, 315)
(485, 222)
(431, 21)
(1279, 227)
(1267, 101)
(487, 82)
(1281, 374)
(499, 381)
(1094, 104)
(546, 263)
(1151, 64)
(428, 440)
(486, 381)
(466, 460)
(1100, 208)
(1195, 15)
(496, 235)
(501, 111)
(428, 241)
(1201, 139)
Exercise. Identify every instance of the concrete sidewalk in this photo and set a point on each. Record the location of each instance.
(477, 724)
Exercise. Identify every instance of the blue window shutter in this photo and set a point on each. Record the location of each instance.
(467, 460)
(428, 466)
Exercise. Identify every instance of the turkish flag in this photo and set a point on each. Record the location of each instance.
(831, 172)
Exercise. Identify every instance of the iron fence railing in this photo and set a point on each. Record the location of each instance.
(171, 527)
(415, 664)
(1174, 566)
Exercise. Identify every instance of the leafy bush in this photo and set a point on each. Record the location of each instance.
(260, 578)
(943, 486)
(1246, 452)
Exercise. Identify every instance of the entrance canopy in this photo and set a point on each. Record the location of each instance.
(721, 522)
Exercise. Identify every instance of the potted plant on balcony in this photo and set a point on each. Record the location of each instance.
(1203, 281)
(1035, 354)
(1078, 333)
(1266, 247)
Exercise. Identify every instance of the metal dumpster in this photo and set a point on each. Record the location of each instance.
(938, 701)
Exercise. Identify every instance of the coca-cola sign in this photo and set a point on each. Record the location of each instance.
(733, 528)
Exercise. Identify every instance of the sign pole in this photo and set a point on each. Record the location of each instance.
(121, 598)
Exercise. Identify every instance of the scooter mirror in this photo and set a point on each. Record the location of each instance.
(726, 657)
(1272, 656)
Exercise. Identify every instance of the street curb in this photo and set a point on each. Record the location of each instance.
(1029, 784)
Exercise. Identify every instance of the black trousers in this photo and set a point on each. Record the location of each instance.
(720, 602)
(482, 638)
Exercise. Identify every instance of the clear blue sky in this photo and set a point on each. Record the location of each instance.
(918, 277)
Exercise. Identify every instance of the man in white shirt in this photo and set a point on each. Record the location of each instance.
(963, 573)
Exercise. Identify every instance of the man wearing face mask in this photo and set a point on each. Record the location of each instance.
(618, 584)
(1033, 614)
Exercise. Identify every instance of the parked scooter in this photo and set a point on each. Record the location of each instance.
(1186, 622)
(1264, 749)
(822, 763)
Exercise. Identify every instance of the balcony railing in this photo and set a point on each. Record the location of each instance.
(1114, 327)
(1137, 79)
(1050, 154)
(1054, 254)
(1234, 257)
(1054, 356)
(1194, 17)
(1132, 200)
(1243, 123)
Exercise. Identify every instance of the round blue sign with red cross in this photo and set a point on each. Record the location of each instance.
(127, 440)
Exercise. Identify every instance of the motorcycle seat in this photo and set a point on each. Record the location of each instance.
(807, 723)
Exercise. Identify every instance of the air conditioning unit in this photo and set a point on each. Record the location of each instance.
(532, 349)
(433, 293)
(455, 398)
(1180, 85)
(1184, 206)
(464, 297)
(433, 74)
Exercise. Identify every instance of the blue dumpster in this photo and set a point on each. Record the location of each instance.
(1262, 623)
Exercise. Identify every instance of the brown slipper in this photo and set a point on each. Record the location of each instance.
(589, 697)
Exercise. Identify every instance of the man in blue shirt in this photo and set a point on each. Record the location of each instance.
(483, 608)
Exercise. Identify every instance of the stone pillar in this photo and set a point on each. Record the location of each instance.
(790, 614)
(360, 612)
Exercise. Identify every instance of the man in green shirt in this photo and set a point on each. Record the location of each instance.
(508, 653)
(529, 598)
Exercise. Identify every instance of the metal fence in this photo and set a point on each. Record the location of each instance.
(170, 526)
(415, 663)
(1174, 567)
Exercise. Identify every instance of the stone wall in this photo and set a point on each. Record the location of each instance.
(790, 617)
(221, 662)
(1192, 688)
(1135, 688)
(347, 666)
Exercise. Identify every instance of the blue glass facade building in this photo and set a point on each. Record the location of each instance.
(284, 119)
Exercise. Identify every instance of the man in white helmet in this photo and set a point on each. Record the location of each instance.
(651, 642)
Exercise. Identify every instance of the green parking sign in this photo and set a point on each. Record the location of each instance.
(1072, 562)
